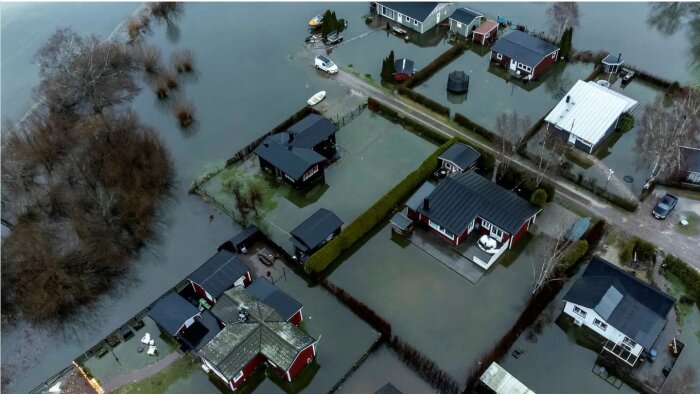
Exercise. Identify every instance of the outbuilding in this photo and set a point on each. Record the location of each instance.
(689, 164)
(240, 242)
(314, 232)
(458, 158)
(588, 114)
(463, 21)
(419, 16)
(173, 314)
(486, 33)
(221, 272)
(404, 69)
(524, 55)
(458, 82)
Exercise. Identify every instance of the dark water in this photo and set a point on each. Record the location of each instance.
(252, 72)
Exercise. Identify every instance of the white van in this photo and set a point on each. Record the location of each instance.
(325, 64)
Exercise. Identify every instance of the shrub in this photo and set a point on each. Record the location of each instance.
(160, 87)
(424, 101)
(687, 274)
(150, 59)
(375, 214)
(135, 26)
(565, 43)
(388, 68)
(185, 114)
(183, 61)
(539, 198)
(595, 234)
(573, 254)
(170, 79)
(626, 123)
(644, 250)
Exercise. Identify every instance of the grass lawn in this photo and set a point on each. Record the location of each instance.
(160, 382)
(693, 227)
(677, 290)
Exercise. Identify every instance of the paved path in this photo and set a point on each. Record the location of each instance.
(143, 373)
(640, 223)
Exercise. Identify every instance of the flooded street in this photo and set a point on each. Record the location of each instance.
(252, 72)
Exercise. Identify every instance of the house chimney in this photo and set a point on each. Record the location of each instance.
(619, 56)
(266, 145)
(291, 136)
(568, 99)
(426, 203)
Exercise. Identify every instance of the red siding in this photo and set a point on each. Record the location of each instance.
(523, 230)
(544, 64)
(464, 236)
(413, 215)
(249, 369)
(504, 59)
(303, 359)
(296, 318)
(202, 292)
(247, 279)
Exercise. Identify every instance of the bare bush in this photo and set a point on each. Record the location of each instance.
(160, 87)
(150, 59)
(562, 15)
(136, 26)
(167, 11)
(511, 127)
(183, 61)
(170, 79)
(184, 112)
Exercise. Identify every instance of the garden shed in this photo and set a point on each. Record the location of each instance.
(458, 82)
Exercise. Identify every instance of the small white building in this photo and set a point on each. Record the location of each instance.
(588, 114)
(627, 312)
(500, 381)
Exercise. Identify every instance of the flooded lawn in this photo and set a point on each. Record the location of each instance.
(490, 92)
(352, 183)
(383, 367)
(445, 316)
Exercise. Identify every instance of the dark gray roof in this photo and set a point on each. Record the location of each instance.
(313, 231)
(401, 221)
(417, 10)
(388, 389)
(461, 154)
(273, 296)
(416, 199)
(202, 331)
(690, 159)
(465, 15)
(523, 47)
(219, 273)
(461, 197)
(404, 66)
(244, 236)
(290, 160)
(171, 312)
(263, 332)
(631, 306)
(308, 132)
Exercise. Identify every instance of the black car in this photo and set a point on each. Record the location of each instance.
(664, 206)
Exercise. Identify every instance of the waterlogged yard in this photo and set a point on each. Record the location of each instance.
(375, 155)
(443, 315)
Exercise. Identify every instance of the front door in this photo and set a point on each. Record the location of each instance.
(513, 64)
(572, 138)
(438, 18)
(398, 17)
(471, 227)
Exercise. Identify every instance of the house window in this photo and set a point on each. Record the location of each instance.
(496, 232)
(524, 67)
(415, 22)
(408, 19)
(599, 323)
(628, 343)
(311, 172)
(486, 224)
(441, 229)
(238, 376)
(499, 56)
(579, 311)
(459, 25)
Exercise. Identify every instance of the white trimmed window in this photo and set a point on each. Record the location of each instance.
(496, 232)
(238, 376)
(499, 56)
(459, 25)
(628, 343)
(408, 19)
(441, 229)
(311, 172)
(486, 224)
(524, 67)
(579, 311)
(599, 323)
(415, 22)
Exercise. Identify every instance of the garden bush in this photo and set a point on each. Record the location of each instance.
(375, 214)
(626, 123)
(424, 101)
(573, 254)
(539, 198)
(687, 274)
(645, 251)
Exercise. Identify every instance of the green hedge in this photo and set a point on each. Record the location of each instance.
(539, 198)
(646, 251)
(439, 62)
(687, 274)
(573, 254)
(375, 214)
(413, 126)
(626, 123)
(424, 101)
(477, 128)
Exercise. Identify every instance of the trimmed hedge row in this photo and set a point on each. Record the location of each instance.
(573, 254)
(408, 123)
(687, 274)
(646, 251)
(424, 101)
(432, 67)
(375, 214)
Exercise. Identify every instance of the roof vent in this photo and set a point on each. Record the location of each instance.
(619, 57)
(291, 136)
(242, 315)
(568, 99)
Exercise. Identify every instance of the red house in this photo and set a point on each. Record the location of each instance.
(404, 69)
(486, 33)
(524, 55)
(467, 202)
(259, 327)
(221, 272)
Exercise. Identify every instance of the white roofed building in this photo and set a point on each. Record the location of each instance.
(588, 114)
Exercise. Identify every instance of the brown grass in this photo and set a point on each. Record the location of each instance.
(184, 112)
(183, 61)
(170, 79)
(150, 59)
(160, 87)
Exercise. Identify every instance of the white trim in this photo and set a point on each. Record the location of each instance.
(600, 324)
(499, 56)
(313, 346)
(441, 230)
(238, 376)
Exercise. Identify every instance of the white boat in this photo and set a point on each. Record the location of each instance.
(317, 98)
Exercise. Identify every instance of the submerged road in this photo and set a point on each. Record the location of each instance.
(639, 223)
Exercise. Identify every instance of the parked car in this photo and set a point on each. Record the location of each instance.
(664, 206)
(266, 256)
(325, 64)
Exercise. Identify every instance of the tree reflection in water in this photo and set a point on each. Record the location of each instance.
(668, 18)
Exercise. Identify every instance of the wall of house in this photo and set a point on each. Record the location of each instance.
(248, 370)
(523, 230)
(326, 147)
(545, 63)
(503, 61)
(296, 318)
(464, 29)
(442, 11)
(203, 293)
(610, 333)
(303, 359)
(486, 38)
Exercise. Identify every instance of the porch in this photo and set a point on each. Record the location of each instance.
(470, 249)
(622, 352)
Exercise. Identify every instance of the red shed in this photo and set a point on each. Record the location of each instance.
(524, 55)
(486, 33)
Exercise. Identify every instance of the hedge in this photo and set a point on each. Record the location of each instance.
(645, 251)
(573, 254)
(626, 123)
(375, 214)
(424, 101)
(687, 274)
(539, 198)
(432, 67)
(477, 128)
(408, 123)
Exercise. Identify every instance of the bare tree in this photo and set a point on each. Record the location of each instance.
(511, 127)
(663, 130)
(551, 148)
(84, 74)
(681, 382)
(167, 11)
(545, 272)
(562, 15)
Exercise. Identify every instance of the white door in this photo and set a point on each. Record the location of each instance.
(471, 226)
(572, 138)
(513, 64)
(398, 17)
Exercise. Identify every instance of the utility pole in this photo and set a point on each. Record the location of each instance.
(608, 180)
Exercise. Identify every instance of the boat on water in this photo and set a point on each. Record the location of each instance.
(316, 21)
(316, 98)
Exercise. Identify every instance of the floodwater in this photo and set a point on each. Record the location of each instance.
(252, 72)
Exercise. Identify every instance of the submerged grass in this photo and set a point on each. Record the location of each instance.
(693, 227)
(164, 379)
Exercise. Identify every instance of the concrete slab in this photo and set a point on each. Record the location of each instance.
(444, 253)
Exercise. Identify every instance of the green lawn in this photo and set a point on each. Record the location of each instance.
(161, 381)
(693, 227)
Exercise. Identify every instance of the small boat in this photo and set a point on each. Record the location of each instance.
(316, 21)
(313, 38)
(316, 98)
(603, 83)
(396, 29)
(627, 74)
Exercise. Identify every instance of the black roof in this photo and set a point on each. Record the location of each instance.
(404, 66)
(465, 15)
(388, 389)
(523, 47)
(461, 154)
(171, 312)
(309, 132)
(202, 331)
(292, 161)
(313, 231)
(417, 10)
(244, 236)
(461, 197)
(690, 159)
(273, 296)
(219, 273)
(631, 306)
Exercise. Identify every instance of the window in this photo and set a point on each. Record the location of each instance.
(459, 25)
(524, 67)
(415, 22)
(628, 343)
(441, 229)
(496, 232)
(579, 311)
(311, 172)
(486, 224)
(499, 56)
(408, 19)
(238, 376)
(598, 323)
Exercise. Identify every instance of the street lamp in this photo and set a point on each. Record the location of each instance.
(608, 180)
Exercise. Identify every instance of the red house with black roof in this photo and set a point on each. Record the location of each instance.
(467, 202)
(314, 232)
(221, 272)
(524, 55)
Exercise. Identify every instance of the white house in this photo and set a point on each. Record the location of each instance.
(588, 114)
(627, 312)
(420, 16)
